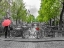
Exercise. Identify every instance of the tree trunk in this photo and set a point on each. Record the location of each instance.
(19, 21)
(61, 15)
(16, 21)
(54, 22)
(50, 22)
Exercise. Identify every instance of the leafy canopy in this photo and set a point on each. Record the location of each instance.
(49, 9)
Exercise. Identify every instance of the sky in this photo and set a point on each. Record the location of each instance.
(33, 6)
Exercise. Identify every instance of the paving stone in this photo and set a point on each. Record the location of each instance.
(14, 44)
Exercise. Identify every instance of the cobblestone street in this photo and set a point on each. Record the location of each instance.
(16, 44)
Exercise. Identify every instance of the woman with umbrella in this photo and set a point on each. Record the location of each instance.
(6, 23)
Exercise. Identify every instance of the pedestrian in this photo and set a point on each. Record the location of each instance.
(6, 23)
(6, 30)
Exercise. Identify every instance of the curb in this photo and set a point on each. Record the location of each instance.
(33, 40)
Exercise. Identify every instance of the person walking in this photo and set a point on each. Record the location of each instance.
(6, 23)
(6, 30)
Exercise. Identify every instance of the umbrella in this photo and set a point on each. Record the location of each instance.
(6, 22)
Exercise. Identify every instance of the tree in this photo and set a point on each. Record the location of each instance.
(21, 13)
(30, 18)
(4, 5)
(49, 9)
(39, 19)
(61, 14)
(18, 11)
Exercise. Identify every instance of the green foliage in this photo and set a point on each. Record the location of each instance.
(4, 5)
(18, 10)
(49, 9)
(39, 19)
(0, 0)
(14, 10)
(30, 18)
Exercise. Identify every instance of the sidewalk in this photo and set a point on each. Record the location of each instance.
(31, 43)
(19, 39)
(3, 38)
